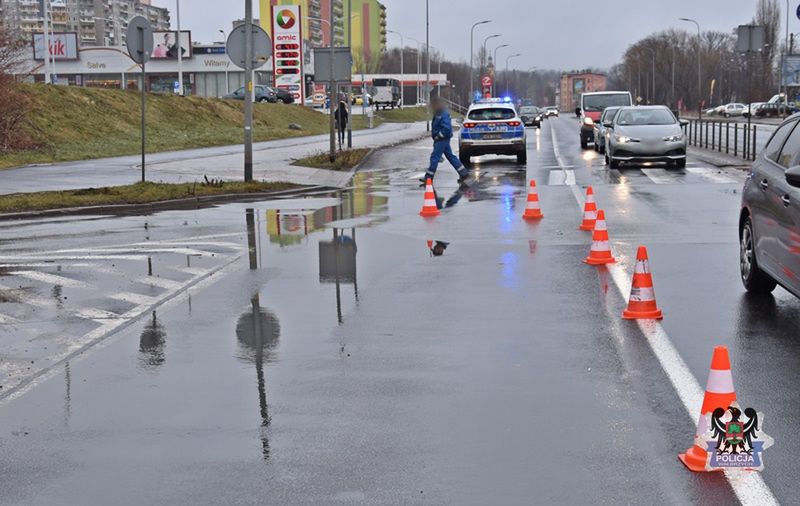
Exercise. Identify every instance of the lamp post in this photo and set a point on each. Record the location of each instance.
(428, 61)
(508, 58)
(227, 84)
(419, 68)
(179, 47)
(402, 72)
(653, 52)
(494, 58)
(699, 67)
(472, 55)
(483, 62)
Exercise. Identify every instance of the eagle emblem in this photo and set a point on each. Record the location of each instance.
(735, 439)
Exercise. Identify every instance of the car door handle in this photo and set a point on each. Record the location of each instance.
(764, 184)
(786, 201)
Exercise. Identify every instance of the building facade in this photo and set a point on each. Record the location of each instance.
(97, 22)
(573, 85)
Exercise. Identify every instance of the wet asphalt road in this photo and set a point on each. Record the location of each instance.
(314, 351)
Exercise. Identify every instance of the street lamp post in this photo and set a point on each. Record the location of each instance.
(483, 61)
(472, 55)
(653, 52)
(699, 67)
(227, 85)
(428, 61)
(419, 68)
(494, 59)
(402, 72)
(508, 58)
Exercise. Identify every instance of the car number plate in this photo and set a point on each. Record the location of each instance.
(491, 137)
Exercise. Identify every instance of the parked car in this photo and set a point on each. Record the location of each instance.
(769, 219)
(775, 109)
(359, 99)
(492, 127)
(531, 116)
(600, 128)
(284, 96)
(751, 109)
(263, 94)
(733, 109)
(592, 106)
(712, 111)
(646, 134)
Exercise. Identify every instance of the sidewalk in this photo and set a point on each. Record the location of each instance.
(718, 159)
(271, 162)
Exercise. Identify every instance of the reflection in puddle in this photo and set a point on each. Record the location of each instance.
(337, 264)
(151, 344)
(437, 248)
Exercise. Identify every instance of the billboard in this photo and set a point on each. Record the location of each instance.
(791, 70)
(287, 50)
(63, 46)
(164, 46)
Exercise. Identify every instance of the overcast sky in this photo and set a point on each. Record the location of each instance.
(550, 34)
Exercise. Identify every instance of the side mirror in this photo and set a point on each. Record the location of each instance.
(683, 122)
(793, 176)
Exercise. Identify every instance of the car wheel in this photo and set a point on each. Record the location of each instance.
(727, 115)
(753, 278)
(680, 164)
(584, 143)
(465, 158)
(263, 100)
(522, 158)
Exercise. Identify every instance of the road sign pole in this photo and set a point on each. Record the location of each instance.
(140, 47)
(332, 91)
(349, 20)
(248, 97)
(144, 123)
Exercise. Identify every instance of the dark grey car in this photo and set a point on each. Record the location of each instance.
(769, 223)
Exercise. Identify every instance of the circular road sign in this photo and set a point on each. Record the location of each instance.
(262, 46)
(798, 11)
(140, 39)
(486, 80)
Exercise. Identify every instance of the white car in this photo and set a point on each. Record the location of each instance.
(492, 127)
(733, 109)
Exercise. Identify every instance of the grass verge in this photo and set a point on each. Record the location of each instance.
(404, 115)
(139, 193)
(345, 160)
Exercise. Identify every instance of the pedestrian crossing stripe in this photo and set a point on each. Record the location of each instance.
(51, 279)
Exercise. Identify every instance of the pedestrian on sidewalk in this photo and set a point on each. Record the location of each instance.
(341, 120)
(442, 133)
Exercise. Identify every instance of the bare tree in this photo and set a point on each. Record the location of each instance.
(13, 103)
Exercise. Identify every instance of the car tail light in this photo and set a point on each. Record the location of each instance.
(470, 125)
(513, 123)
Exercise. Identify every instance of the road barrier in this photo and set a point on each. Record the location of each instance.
(737, 139)
(532, 209)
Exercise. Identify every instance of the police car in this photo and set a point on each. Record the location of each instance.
(492, 127)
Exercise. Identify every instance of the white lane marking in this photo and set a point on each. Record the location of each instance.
(45, 258)
(159, 282)
(561, 177)
(135, 298)
(194, 271)
(97, 314)
(26, 297)
(5, 319)
(663, 176)
(712, 175)
(52, 279)
(749, 488)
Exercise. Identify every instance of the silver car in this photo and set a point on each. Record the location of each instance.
(645, 134)
(600, 128)
(769, 221)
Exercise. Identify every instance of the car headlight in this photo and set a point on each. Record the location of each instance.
(588, 121)
(622, 139)
(674, 138)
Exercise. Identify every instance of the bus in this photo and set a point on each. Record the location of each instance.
(386, 93)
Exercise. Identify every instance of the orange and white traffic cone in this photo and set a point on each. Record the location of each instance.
(600, 253)
(719, 394)
(589, 211)
(429, 207)
(642, 303)
(532, 209)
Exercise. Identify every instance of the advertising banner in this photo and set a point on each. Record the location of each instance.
(63, 46)
(287, 49)
(164, 46)
(791, 70)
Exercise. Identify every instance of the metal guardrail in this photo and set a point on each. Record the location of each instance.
(737, 139)
(455, 106)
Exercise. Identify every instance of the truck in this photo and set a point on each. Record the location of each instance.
(386, 93)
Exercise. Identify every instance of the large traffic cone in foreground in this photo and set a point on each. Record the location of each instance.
(642, 303)
(719, 394)
(429, 207)
(600, 253)
(589, 211)
(532, 209)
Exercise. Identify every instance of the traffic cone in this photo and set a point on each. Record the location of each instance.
(589, 211)
(429, 207)
(719, 394)
(532, 210)
(642, 303)
(600, 253)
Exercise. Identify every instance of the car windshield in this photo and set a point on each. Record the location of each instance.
(491, 114)
(600, 102)
(608, 114)
(645, 117)
(528, 110)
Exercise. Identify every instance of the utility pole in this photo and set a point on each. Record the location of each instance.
(428, 61)
(332, 92)
(350, 89)
(46, 42)
(472, 56)
(248, 96)
(179, 46)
